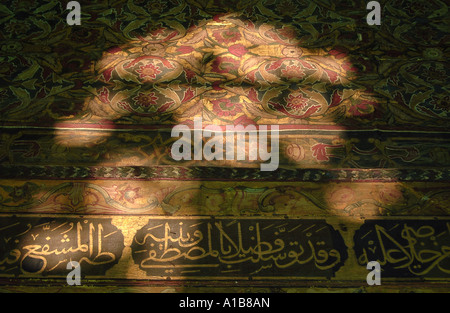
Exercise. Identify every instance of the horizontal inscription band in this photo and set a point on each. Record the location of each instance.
(199, 247)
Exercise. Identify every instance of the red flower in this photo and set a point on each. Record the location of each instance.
(225, 65)
(148, 72)
(145, 100)
(332, 75)
(227, 36)
(224, 107)
(238, 50)
(293, 71)
(297, 106)
(297, 102)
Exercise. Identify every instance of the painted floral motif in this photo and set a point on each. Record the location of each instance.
(103, 95)
(11, 47)
(296, 102)
(287, 8)
(154, 49)
(17, 28)
(185, 49)
(227, 36)
(24, 192)
(84, 34)
(229, 52)
(441, 104)
(225, 65)
(293, 72)
(155, 30)
(295, 152)
(292, 51)
(300, 106)
(128, 194)
(237, 50)
(135, 68)
(145, 100)
(24, 4)
(155, 6)
(224, 107)
(166, 62)
(364, 108)
(148, 72)
(288, 32)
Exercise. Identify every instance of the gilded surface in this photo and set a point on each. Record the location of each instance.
(87, 174)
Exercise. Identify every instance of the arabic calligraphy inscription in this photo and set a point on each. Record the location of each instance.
(44, 246)
(238, 248)
(405, 248)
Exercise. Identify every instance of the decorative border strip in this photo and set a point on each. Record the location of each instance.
(221, 173)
